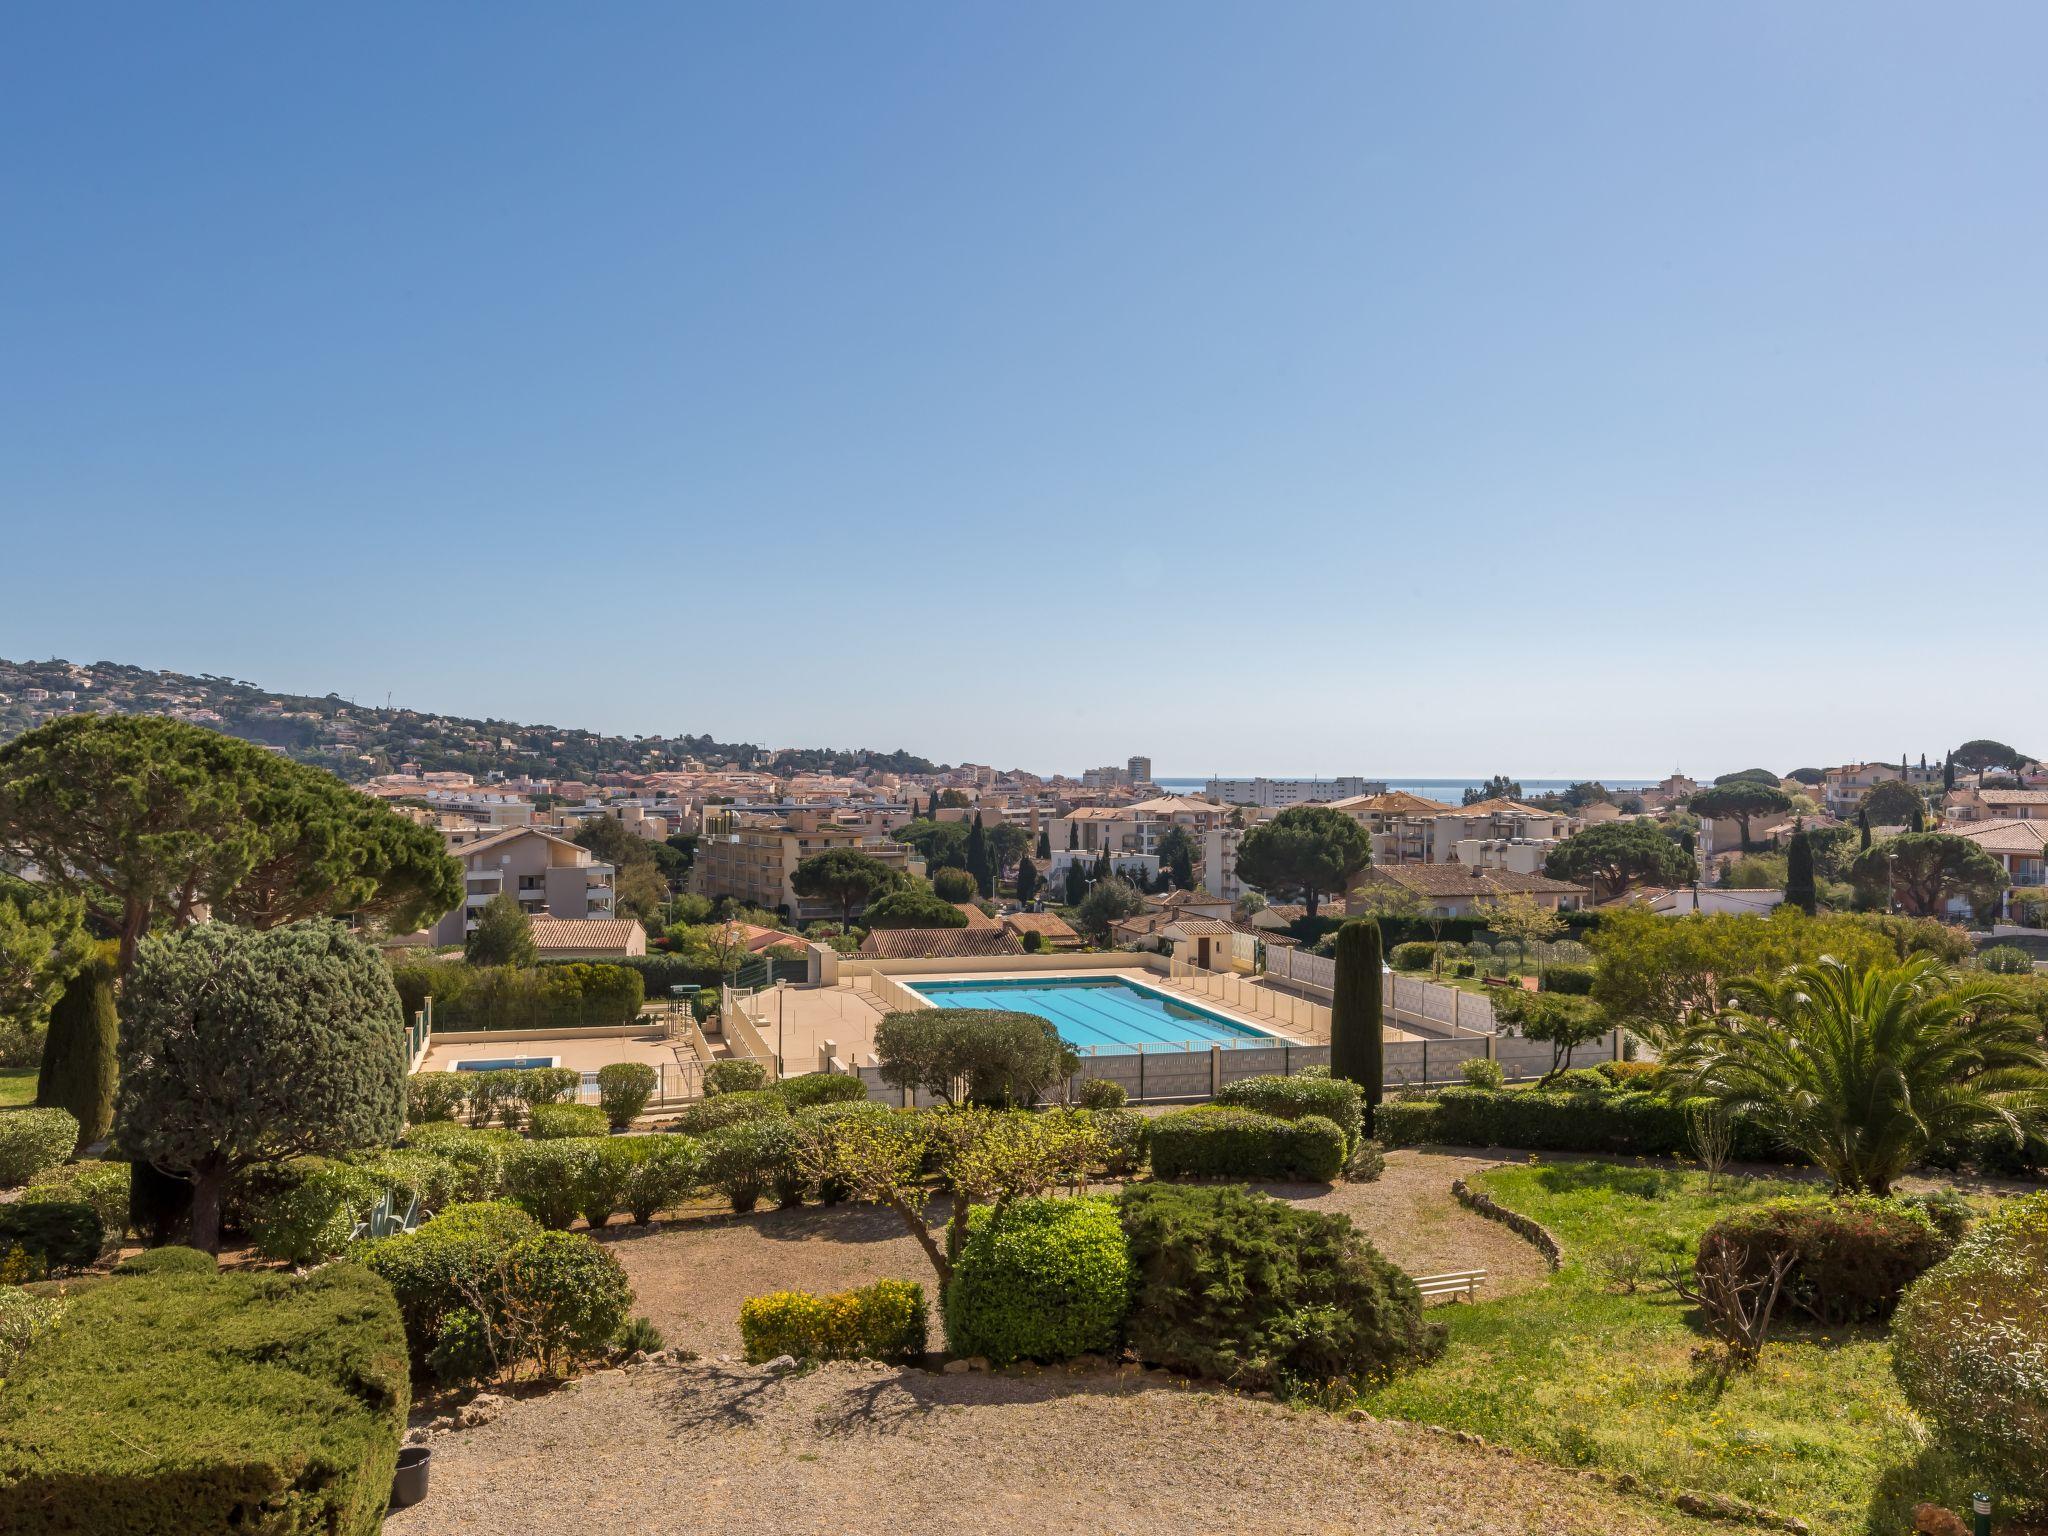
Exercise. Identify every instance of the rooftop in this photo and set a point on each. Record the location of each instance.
(938, 943)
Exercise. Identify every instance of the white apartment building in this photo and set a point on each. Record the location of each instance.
(1279, 794)
(1843, 787)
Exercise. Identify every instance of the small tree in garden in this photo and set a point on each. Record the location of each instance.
(503, 936)
(1557, 1019)
(954, 885)
(242, 1048)
(1005, 1058)
(1358, 1036)
(1108, 904)
(913, 908)
(1709, 1135)
(844, 875)
(1044, 846)
(79, 1053)
(43, 943)
(975, 1157)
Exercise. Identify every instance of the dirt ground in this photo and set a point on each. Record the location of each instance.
(870, 1450)
(690, 1276)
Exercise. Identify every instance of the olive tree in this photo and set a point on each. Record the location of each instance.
(997, 1057)
(242, 1047)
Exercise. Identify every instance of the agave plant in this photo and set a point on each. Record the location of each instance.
(1864, 1067)
(386, 1219)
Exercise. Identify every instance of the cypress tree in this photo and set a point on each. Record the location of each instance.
(977, 858)
(1044, 846)
(80, 1054)
(1027, 880)
(1948, 772)
(1863, 827)
(1358, 1036)
(1917, 822)
(1077, 884)
(1073, 837)
(1799, 887)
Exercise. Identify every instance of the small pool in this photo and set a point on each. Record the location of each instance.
(1109, 1014)
(508, 1063)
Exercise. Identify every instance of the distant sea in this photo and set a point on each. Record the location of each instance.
(1451, 790)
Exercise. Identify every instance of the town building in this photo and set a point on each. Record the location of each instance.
(1278, 794)
(548, 876)
(755, 862)
(1458, 890)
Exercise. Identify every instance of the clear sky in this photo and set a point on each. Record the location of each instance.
(1405, 389)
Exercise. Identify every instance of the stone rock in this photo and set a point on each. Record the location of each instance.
(441, 1425)
(780, 1365)
(961, 1366)
(1360, 1416)
(416, 1436)
(638, 1357)
(1933, 1520)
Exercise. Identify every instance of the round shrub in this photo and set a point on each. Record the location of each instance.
(462, 1352)
(172, 1259)
(1482, 1072)
(1039, 1280)
(1570, 980)
(1414, 956)
(557, 1122)
(101, 1185)
(1580, 1080)
(475, 1155)
(1290, 1098)
(815, 1088)
(1217, 1141)
(605, 1174)
(748, 1158)
(1639, 1075)
(623, 1089)
(1406, 1123)
(662, 1172)
(49, 1236)
(1102, 1093)
(1852, 1258)
(708, 1115)
(314, 1218)
(435, 1096)
(2006, 960)
(434, 1268)
(1243, 1288)
(410, 1174)
(1970, 1346)
(33, 1141)
(547, 1178)
(734, 1077)
(1368, 1162)
(548, 1300)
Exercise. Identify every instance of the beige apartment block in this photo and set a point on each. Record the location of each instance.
(754, 862)
(547, 875)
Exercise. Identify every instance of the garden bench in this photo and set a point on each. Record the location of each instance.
(1458, 1282)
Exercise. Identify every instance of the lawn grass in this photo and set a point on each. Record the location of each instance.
(17, 1086)
(1580, 1373)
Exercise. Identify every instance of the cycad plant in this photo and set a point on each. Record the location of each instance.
(1864, 1067)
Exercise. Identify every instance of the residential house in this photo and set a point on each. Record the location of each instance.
(1843, 787)
(754, 862)
(548, 876)
(2021, 847)
(1685, 900)
(1968, 805)
(590, 938)
(1402, 826)
(1458, 890)
(937, 943)
(1054, 932)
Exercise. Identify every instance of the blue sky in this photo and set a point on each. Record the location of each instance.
(1310, 388)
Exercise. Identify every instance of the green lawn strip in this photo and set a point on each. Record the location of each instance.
(17, 1086)
(1580, 1374)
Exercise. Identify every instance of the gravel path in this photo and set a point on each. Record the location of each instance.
(868, 1450)
(691, 1275)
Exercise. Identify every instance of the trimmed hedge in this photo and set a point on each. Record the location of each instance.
(569, 995)
(33, 1141)
(1102, 1093)
(101, 1185)
(1539, 1120)
(1569, 980)
(1970, 1345)
(209, 1402)
(37, 1238)
(23, 1319)
(1039, 1280)
(815, 1088)
(549, 1179)
(475, 1154)
(1852, 1259)
(1290, 1098)
(734, 1076)
(660, 1173)
(435, 1096)
(1125, 1134)
(1415, 955)
(713, 1114)
(1217, 1141)
(170, 1260)
(1250, 1290)
(314, 1218)
(623, 1089)
(750, 1158)
(883, 1321)
(556, 1122)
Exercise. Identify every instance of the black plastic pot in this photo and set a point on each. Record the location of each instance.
(409, 1482)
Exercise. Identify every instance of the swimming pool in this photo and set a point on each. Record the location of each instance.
(1107, 1013)
(508, 1063)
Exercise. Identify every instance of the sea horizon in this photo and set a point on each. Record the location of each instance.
(1429, 787)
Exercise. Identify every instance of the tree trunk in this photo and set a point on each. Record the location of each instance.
(134, 919)
(208, 1185)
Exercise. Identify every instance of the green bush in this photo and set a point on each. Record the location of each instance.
(170, 1260)
(314, 1218)
(1628, 1123)
(1368, 1162)
(432, 1269)
(52, 1235)
(1123, 1134)
(2005, 960)
(1249, 1290)
(1970, 1346)
(33, 1141)
(1482, 1072)
(549, 1300)
(1407, 1122)
(546, 1179)
(815, 1088)
(209, 1402)
(557, 1122)
(1103, 1093)
(101, 1185)
(1851, 1258)
(883, 1321)
(569, 995)
(746, 1159)
(1217, 1141)
(23, 1319)
(410, 1173)
(713, 1114)
(623, 1089)
(1414, 956)
(535, 1086)
(1580, 1080)
(734, 1077)
(476, 1154)
(493, 1096)
(1640, 1075)
(435, 1096)
(1290, 1098)
(1570, 980)
(605, 1175)
(662, 1172)
(1039, 1280)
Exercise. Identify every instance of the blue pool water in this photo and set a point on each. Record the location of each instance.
(506, 1063)
(1107, 1013)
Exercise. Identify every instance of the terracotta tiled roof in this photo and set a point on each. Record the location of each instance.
(1171, 805)
(1051, 924)
(1469, 880)
(2004, 836)
(1498, 808)
(1395, 802)
(976, 918)
(938, 943)
(609, 933)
